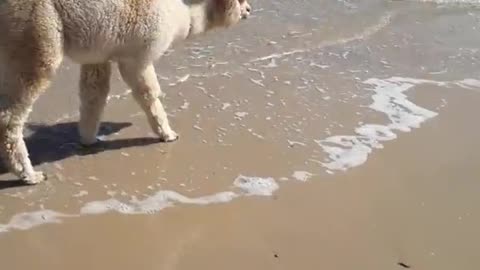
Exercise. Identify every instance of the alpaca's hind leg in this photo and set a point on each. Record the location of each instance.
(146, 91)
(94, 88)
(18, 93)
(31, 51)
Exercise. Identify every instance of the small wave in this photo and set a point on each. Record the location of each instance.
(244, 185)
(474, 2)
(349, 151)
(382, 23)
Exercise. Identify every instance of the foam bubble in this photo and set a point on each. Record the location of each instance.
(28, 220)
(81, 193)
(240, 115)
(101, 207)
(256, 185)
(302, 175)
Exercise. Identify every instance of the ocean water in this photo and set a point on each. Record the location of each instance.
(334, 78)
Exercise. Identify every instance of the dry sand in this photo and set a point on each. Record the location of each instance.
(316, 135)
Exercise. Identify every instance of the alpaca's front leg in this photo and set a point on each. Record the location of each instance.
(146, 91)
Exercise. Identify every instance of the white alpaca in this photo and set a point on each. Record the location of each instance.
(36, 34)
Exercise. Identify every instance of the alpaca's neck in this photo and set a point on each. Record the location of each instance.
(200, 17)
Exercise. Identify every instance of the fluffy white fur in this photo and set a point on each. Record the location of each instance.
(36, 34)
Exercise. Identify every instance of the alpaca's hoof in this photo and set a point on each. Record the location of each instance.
(34, 178)
(169, 136)
(90, 142)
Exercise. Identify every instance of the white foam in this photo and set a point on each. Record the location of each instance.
(180, 80)
(450, 1)
(154, 203)
(101, 207)
(225, 106)
(348, 151)
(28, 220)
(185, 105)
(302, 176)
(256, 185)
(249, 186)
(81, 193)
(240, 115)
(469, 84)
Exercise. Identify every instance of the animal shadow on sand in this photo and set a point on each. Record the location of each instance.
(50, 143)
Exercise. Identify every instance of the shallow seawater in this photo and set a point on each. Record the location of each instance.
(303, 91)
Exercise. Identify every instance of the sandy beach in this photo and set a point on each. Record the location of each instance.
(318, 134)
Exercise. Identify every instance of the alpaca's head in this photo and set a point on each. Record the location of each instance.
(225, 13)
(245, 9)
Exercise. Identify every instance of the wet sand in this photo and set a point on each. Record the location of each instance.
(342, 138)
